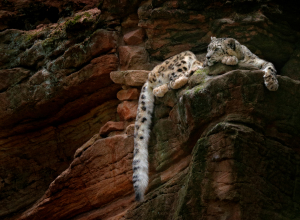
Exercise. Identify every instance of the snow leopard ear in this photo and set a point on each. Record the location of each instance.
(213, 38)
(230, 42)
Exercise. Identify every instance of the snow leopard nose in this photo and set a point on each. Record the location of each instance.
(208, 55)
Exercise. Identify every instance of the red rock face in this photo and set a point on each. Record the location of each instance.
(127, 110)
(128, 94)
(55, 95)
(217, 167)
(112, 126)
(130, 77)
(32, 160)
(134, 37)
(133, 58)
(91, 184)
(224, 150)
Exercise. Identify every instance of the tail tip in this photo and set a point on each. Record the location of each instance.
(139, 197)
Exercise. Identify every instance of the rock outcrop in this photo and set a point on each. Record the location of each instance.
(56, 93)
(222, 147)
(228, 152)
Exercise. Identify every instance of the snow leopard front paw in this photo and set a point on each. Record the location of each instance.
(161, 90)
(230, 60)
(178, 83)
(270, 79)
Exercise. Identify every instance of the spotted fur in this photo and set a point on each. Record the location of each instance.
(173, 73)
(229, 51)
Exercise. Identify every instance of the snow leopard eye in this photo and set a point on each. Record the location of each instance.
(216, 49)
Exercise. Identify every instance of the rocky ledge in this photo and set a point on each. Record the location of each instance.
(231, 151)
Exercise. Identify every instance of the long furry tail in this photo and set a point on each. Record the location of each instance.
(141, 139)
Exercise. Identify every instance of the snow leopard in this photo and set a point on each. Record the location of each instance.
(174, 73)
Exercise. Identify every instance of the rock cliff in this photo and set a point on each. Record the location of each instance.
(222, 147)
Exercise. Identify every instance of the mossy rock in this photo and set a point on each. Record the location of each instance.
(81, 21)
(199, 77)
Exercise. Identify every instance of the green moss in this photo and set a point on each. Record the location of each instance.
(48, 44)
(31, 36)
(203, 71)
(73, 21)
(79, 22)
(198, 88)
(57, 35)
(28, 38)
(76, 18)
(88, 15)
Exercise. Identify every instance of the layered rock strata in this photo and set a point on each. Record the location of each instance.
(56, 94)
(220, 147)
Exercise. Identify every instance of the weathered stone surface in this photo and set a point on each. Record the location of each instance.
(118, 77)
(225, 145)
(130, 130)
(86, 145)
(130, 22)
(101, 41)
(216, 157)
(99, 176)
(55, 94)
(134, 37)
(55, 101)
(130, 77)
(292, 67)
(30, 14)
(217, 182)
(48, 46)
(136, 78)
(225, 149)
(127, 110)
(166, 25)
(119, 9)
(128, 94)
(112, 126)
(31, 161)
(175, 26)
(134, 58)
(10, 77)
(52, 66)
